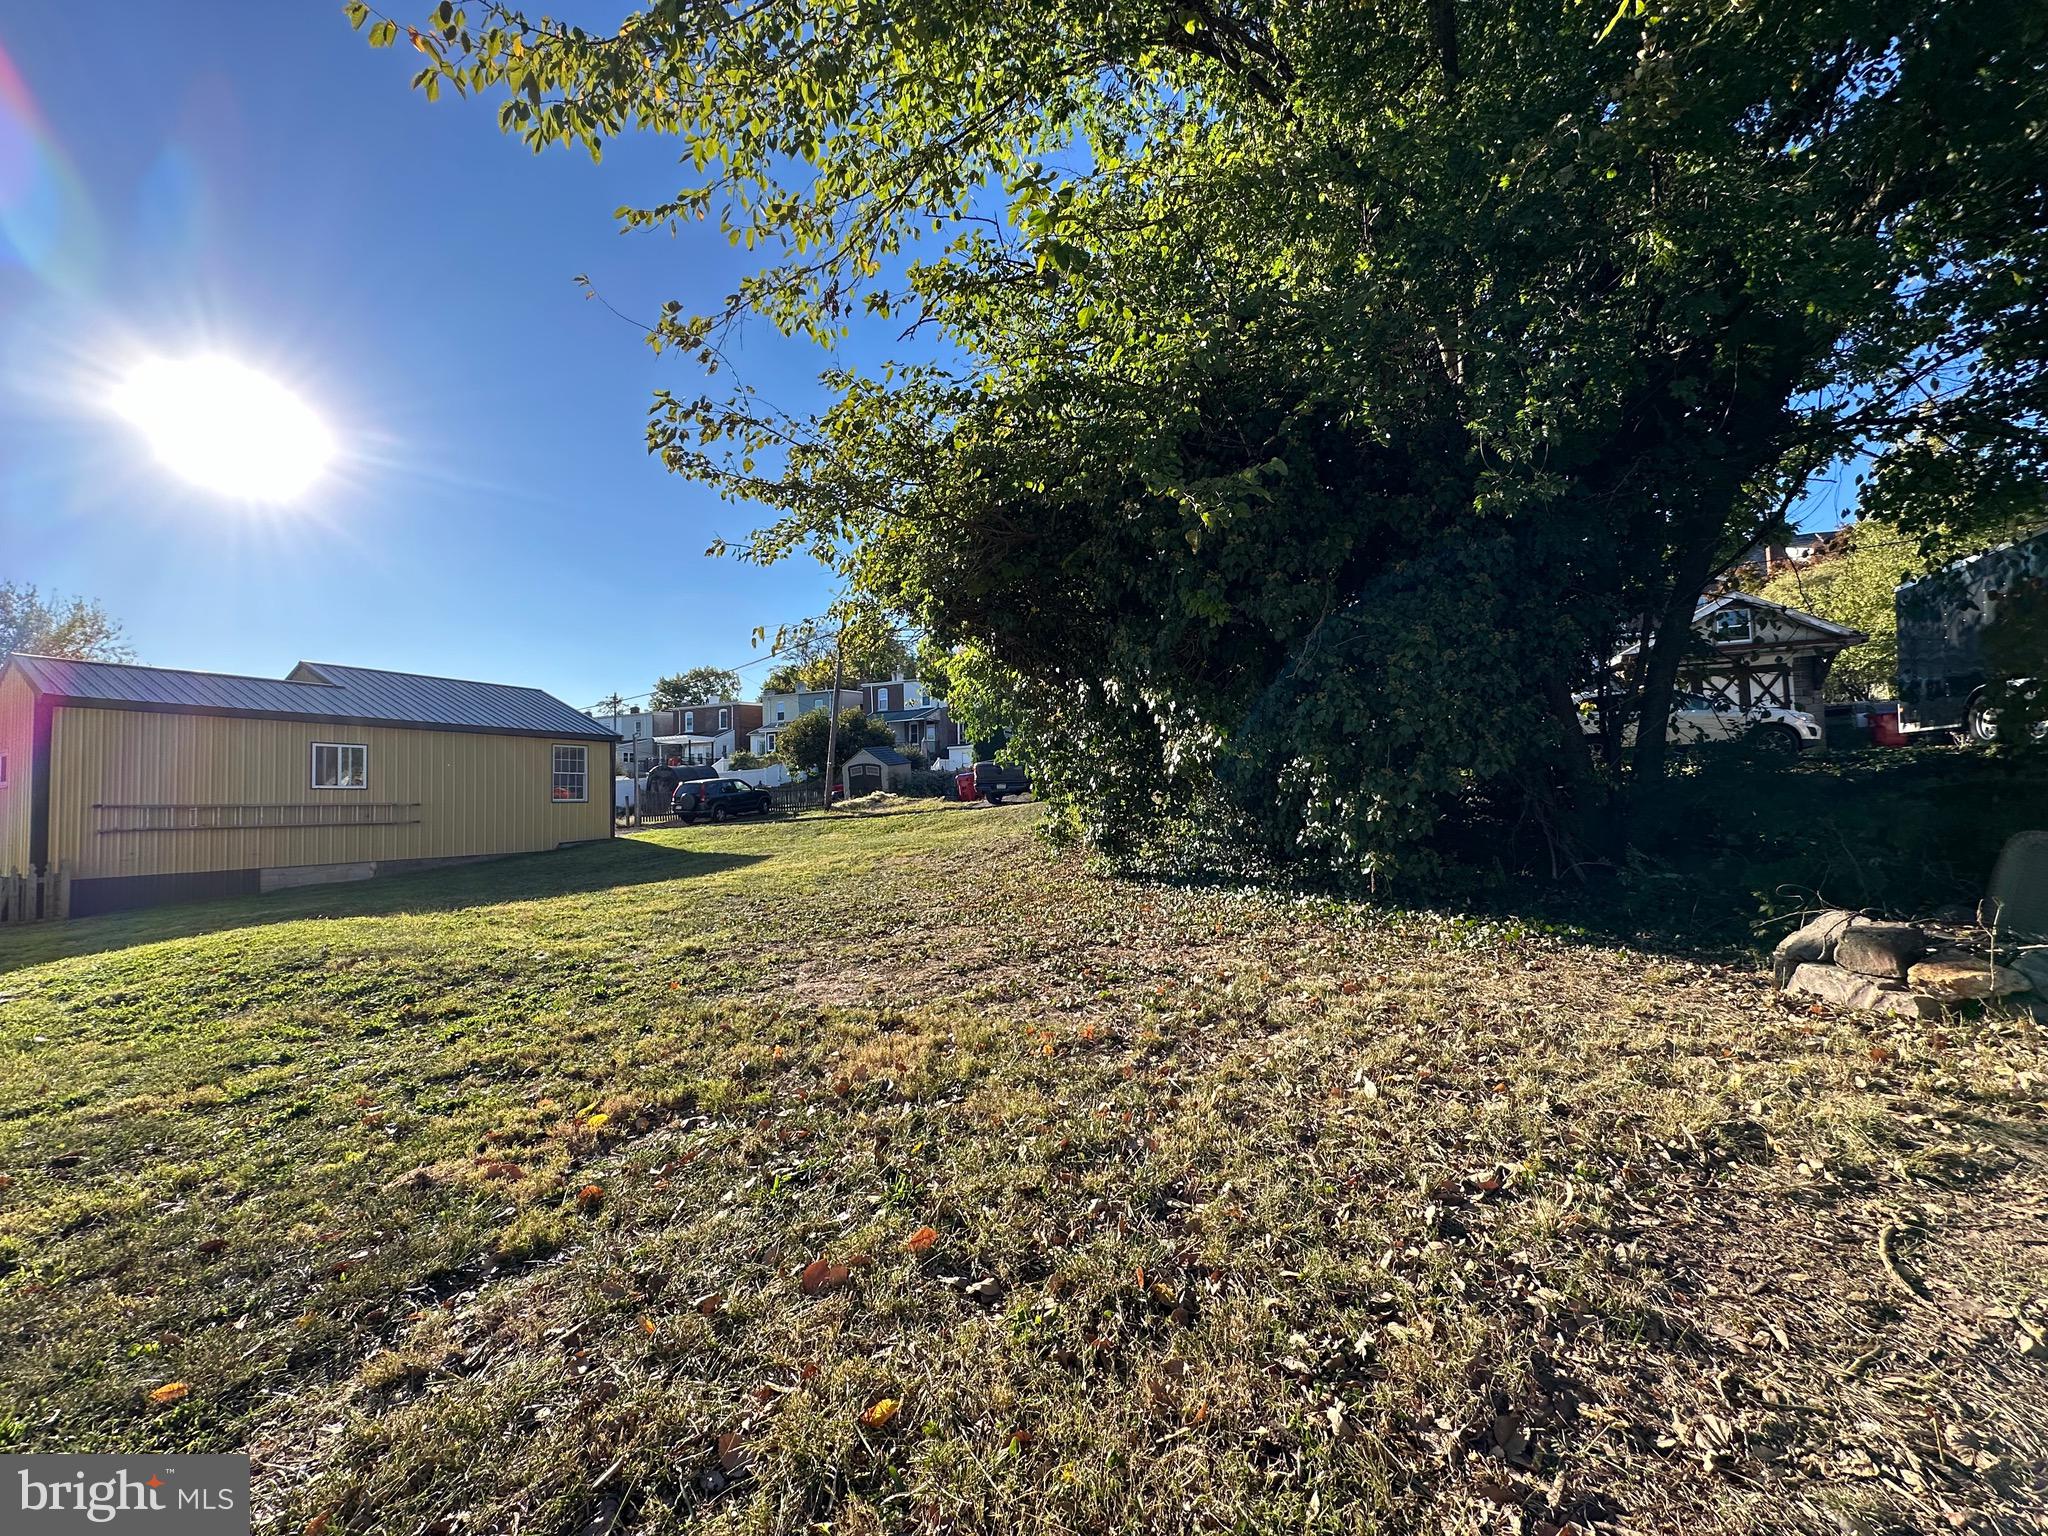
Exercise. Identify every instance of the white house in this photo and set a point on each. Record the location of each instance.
(1757, 652)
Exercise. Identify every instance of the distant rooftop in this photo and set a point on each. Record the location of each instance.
(313, 691)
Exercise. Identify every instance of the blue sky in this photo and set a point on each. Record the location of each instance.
(249, 177)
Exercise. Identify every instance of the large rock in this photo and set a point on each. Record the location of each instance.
(2018, 899)
(2033, 964)
(1814, 944)
(1845, 989)
(1955, 978)
(1880, 949)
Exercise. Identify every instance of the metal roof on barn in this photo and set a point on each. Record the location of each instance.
(314, 691)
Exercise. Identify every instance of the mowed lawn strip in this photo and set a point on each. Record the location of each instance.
(888, 1172)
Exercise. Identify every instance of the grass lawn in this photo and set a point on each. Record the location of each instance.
(887, 1173)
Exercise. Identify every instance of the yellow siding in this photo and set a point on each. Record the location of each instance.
(477, 793)
(17, 727)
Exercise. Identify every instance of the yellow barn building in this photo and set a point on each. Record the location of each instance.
(148, 784)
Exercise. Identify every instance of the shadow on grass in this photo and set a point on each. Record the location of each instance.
(1738, 847)
(493, 882)
(1729, 857)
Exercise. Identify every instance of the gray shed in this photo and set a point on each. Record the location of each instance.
(872, 769)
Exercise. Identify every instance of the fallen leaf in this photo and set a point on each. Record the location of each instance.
(590, 1196)
(822, 1279)
(923, 1240)
(170, 1392)
(879, 1415)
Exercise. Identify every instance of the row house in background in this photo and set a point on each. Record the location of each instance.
(918, 721)
(708, 733)
(778, 709)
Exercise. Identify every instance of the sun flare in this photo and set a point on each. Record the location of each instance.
(226, 428)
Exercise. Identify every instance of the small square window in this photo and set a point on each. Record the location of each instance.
(1731, 626)
(572, 773)
(340, 765)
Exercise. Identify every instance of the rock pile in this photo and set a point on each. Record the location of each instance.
(1916, 969)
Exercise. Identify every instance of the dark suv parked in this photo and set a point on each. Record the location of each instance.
(718, 799)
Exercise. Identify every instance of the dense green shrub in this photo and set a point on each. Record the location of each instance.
(926, 783)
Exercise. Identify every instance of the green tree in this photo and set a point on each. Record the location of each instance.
(699, 685)
(801, 743)
(53, 625)
(1330, 383)
(1854, 586)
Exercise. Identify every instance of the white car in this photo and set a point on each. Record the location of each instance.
(1695, 718)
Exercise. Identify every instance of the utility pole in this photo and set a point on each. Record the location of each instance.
(832, 720)
(611, 706)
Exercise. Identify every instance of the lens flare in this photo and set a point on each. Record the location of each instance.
(47, 222)
(225, 427)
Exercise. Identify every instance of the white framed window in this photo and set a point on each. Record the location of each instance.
(572, 773)
(881, 700)
(340, 765)
(725, 719)
(689, 722)
(1731, 626)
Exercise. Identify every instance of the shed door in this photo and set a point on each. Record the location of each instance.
(863, 779)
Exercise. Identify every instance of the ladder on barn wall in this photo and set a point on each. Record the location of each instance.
(38, 896)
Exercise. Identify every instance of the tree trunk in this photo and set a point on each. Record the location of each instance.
(1586, 827)
(1669, 641)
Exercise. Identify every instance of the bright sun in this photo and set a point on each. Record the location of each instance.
(225, 427)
